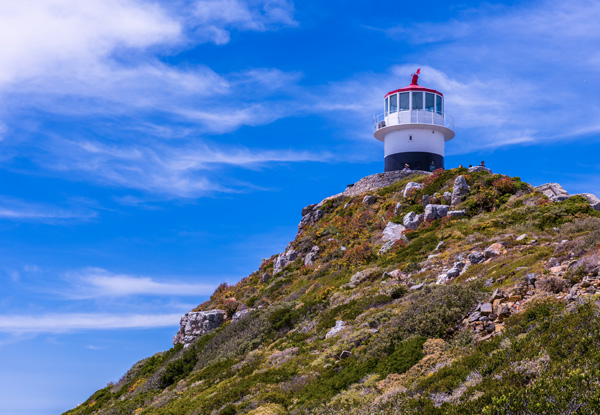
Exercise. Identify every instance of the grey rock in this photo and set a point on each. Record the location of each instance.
(412, 221)
(530, 278)
(479, 168)
(369, 200)
(379, 180)
(339, 326)
(425, 200)
(476, 257)
(459, 190)
(486, 308)
(474, 317)
(311, 218)
(411, 186)
(345, 354)
(310, 258)
(240, 314)
(356, 279)
(393, 232)
(306, 210)
(397, 208)
(417, 287)
(433, 212)
(553, 191)
(197, 323)
(282, 260)
(521, 237)
(386, 247)
(439, 246)
(265, 278)
(455, 270)
(448, 197)
(489, 282)
(457, 213)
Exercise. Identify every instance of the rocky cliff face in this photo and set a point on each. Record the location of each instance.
(196, 324)
(457, 292)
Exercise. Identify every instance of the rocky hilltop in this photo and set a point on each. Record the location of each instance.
(452, 292)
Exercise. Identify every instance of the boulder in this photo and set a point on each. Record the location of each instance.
(447, 197)
(356, 279)
(339, 326)
(460, 189)
(521, 237)
(425, 200)
(197, 323)
(310, 258)
(553, 191)
(307, 209)
(284, 259)
(393, 232)
(240, 314)
(311, 217)
(369, 200)
(452, 273)
(433, 212)
(397, 208)
(412, 221)
(476, 257)
(345, 354)
(265, 278)
(486, 309)
(411, 186)
(386, 247)
(417, 286)
(457, 213)
(493, 250)
(479, 168)
(530, 278)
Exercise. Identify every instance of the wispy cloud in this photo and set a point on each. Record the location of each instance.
(69, 322)
(214, 19)
(15, 209)
(92, 283)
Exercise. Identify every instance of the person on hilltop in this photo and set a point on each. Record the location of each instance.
(483, 164)
(432, 166)
(406, 167)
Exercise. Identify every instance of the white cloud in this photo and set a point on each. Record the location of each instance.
(69, 322)
(214, 19)
(97, 282)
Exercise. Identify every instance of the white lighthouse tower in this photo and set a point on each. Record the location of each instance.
(414, 128)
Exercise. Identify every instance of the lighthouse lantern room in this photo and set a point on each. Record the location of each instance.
(414, 128)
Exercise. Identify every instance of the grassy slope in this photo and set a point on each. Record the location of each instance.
(410, 351)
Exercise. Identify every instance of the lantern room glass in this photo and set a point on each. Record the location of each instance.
(438, 105)
(429, 102)
(417, 100)
(404, 101)
(394, 103)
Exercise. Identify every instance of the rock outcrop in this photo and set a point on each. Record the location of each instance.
(554, 191)
(377, 181)
(459, 190)
(433, 212)
(284, 259)
(197, 323)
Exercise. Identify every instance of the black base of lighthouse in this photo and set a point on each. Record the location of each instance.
(415, 159)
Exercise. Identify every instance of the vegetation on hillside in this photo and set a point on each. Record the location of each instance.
(406, 345)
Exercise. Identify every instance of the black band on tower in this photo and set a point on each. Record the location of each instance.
(417, 160)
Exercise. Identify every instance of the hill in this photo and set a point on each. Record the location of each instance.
(457, 292)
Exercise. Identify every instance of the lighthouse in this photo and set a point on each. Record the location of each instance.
(414, 128)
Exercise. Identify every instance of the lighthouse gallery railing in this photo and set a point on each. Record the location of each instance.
(413, 117)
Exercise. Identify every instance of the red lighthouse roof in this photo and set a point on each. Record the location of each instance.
(413, 88)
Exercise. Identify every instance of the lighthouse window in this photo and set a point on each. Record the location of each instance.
(429, 104)
(417, 100)
(386, 107)
(394, 103)
(404, 101)
(438, 104)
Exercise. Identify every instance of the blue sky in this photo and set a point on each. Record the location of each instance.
(152, 150)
